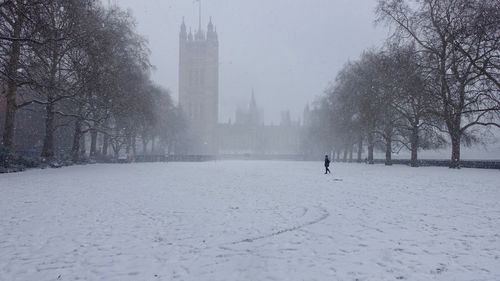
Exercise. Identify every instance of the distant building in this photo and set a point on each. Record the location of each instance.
(199, 101)
(250, 136)
(251, 115)
(199, 86)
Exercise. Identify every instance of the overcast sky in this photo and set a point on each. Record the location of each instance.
(287, 50)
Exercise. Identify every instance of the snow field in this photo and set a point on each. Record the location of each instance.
(255, 220)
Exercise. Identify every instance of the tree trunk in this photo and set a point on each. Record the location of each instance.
(83, 148)
(75, 150)
(153, 146)
(360, 149)
(48, 141)
(105, 145)
(116, 150)
(414, 147)
(344, 158)
(11, 93)
(455, 150)
(453, 124)
(351, 152)
(134, 144)
(93, 143)
(370, 148)
(128, 145)
(388, 152)
(144, 146)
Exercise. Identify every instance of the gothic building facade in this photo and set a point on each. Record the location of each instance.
(249, 136)
(199, 86)
(199, 101)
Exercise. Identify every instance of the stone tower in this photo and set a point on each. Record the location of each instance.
(199, 86)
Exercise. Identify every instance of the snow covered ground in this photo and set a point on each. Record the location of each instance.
(253, 220)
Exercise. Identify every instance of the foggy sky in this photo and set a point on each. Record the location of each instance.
(287, 50)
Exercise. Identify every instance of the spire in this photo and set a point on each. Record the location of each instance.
(199, 35)
(253, 111)
(183, 33)
(253, 104)
(211, 32)
(210, 25)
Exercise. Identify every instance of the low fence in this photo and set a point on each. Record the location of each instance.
(284, 157)
(174, 158)
(479, 164)
(204, 158)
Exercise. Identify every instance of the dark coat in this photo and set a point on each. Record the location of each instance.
(327, 162)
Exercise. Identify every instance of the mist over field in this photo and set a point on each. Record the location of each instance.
(287, 51)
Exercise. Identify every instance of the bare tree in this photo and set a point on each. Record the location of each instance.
(411, 100)
(441, 30)
(17, 27)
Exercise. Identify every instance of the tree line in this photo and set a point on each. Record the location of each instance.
(435, 81)
(73, 71)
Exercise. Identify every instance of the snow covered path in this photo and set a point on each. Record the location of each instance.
(233, 220)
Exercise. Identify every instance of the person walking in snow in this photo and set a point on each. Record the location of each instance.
(327, 164)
